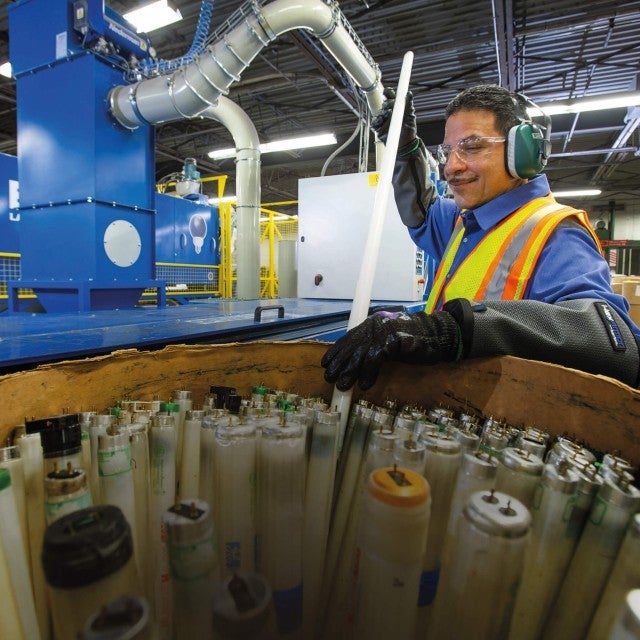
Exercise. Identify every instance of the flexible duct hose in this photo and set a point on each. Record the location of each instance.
(154, 67)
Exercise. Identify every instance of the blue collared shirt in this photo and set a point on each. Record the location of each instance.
(570, 266)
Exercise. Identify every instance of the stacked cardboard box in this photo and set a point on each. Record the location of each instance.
(617, 280)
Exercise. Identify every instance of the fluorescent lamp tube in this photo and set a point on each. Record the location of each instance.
(319, 140)
(595, 103)
(568, 193)
(223, 199)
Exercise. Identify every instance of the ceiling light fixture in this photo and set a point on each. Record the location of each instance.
(153, 16)
(320, 140)
(5, 69)
(595, 103)
(223, 199)
(569, 193)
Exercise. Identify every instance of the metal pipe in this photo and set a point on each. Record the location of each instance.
(245, 137)
(189, 91)
(595, 152)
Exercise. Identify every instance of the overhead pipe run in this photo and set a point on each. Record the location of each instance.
(196, 87)
(596, 152)
(187, 92)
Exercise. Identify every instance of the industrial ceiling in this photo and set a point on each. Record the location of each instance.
(549, 50)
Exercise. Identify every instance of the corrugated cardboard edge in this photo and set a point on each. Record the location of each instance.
(603, 413)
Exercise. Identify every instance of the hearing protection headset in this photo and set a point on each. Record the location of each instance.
(528, 144)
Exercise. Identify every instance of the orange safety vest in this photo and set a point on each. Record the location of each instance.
(500, 266)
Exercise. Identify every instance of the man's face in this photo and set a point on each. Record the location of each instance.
(476, 170)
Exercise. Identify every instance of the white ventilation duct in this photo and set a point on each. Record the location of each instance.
(247, 144)
(190, 91)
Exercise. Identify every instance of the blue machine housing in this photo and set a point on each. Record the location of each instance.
(187, 246)
(9, 217)
(50, 30)
(187, 231)
(95, 20)
(9, 224)
(86, 184)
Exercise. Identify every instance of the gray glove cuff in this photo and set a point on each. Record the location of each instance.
(582, 334)
(412, 186)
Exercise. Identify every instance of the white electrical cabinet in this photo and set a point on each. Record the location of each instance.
(334, 213)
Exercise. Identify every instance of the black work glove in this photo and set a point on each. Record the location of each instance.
(416, 338)
(380, 123)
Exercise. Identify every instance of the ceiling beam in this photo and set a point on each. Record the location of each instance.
(504, 39)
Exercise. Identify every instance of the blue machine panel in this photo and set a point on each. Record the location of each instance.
(68, 146)
(81, 243)
(9, 239)
(59, 28)
(187, 232)
(38, 338)
(49, 38)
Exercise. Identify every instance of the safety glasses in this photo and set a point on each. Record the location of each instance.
(467, 148)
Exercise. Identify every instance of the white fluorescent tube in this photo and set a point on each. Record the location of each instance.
(568, 193)
(596, 103)
(304, 142)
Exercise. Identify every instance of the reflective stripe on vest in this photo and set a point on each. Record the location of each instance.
(511, 251)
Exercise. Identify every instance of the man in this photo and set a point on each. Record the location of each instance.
(517, 274)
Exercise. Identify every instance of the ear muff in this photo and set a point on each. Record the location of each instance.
(528, 144)
(524, 150)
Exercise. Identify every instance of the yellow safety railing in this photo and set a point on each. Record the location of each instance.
(274, 226)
